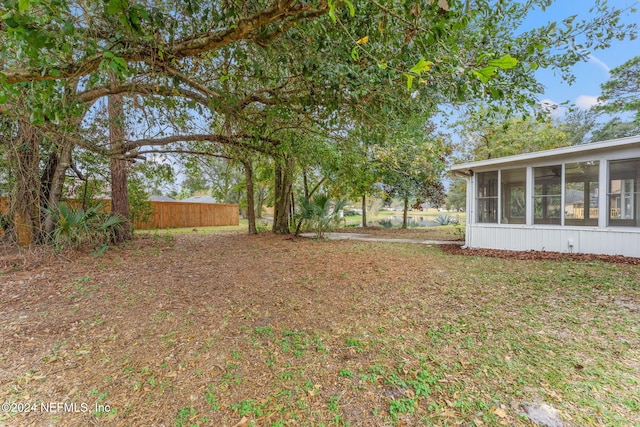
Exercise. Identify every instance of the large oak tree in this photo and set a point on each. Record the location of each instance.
(280, 69)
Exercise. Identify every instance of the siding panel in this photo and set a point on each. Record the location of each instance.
(606, 241)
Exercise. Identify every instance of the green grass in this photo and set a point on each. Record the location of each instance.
(242, 227)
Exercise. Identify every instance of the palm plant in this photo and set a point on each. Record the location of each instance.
(75, 225)
(319, 212)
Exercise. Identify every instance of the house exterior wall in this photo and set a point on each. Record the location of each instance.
(594, 240)
(598, 238)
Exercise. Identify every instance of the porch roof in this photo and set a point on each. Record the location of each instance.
(594, 147)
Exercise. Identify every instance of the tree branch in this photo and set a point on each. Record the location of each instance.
(234, 140)
(191, 152)
(286, 11)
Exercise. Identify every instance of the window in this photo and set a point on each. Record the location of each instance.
(547, 195)
(581, 193)
(624, 179)
(487, 197)
(513, 187)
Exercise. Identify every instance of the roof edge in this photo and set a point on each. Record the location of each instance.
(572, 149)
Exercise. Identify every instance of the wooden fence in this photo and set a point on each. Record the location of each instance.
(179, 214)
(185, 214)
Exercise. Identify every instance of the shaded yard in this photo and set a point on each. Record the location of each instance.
(199, 330)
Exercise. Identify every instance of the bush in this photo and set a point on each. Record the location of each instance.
(140, 208)
(262, 226)
(386, 223)
(446, 220)
(319, 213)
(75, 226)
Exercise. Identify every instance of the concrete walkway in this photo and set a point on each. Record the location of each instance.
(369, 238)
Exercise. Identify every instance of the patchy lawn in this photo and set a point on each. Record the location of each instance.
(211, 330)
(444, 232)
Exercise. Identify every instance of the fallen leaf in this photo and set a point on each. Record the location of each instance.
(242, 423)
(500, 413)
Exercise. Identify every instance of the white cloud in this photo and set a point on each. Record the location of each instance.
(552, 108)
(587, 101)
(599, 63)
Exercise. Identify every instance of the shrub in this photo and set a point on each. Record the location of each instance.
(460, 230)
(319, 213)
(140, 208)
(262, 226)
(386, 223)
(445, 220)
(76, 226)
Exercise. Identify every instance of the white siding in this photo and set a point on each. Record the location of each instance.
(606, 241)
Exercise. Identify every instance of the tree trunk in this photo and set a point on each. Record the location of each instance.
(251, 212)
(53, 183)
(405, 210)
(259, 203)
(364, 210)
(25, 160)
(282, 203)
(119, 167)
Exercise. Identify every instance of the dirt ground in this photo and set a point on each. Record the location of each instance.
(538, 255)
(220, 330)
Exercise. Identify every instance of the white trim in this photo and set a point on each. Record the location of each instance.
(574, 151)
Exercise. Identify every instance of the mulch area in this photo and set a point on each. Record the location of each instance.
(539, 255)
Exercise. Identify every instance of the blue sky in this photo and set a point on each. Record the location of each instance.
(589, 75)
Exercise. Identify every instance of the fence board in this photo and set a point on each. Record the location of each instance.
(187, 214)
(179, 214)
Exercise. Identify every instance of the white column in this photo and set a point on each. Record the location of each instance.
(499, 196)
(529, 195)
(603, 189)
(562, 195)
(470, 210)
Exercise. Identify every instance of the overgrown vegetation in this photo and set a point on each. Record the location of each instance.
(75, 226)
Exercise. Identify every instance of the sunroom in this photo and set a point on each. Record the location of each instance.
(580, 199)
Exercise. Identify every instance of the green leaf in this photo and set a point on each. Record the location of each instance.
(134, 18)
(382, 65)
(497, 94)
(3, 97)
(352, 11)
(23, 5)
(410, 78)
(505, 62)
(422, 65)
(484, 74)
(115, 7)
(10, 21)
(355, 55)
(481, 57)
(332, 11)
(68, 28)
(121, 62)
